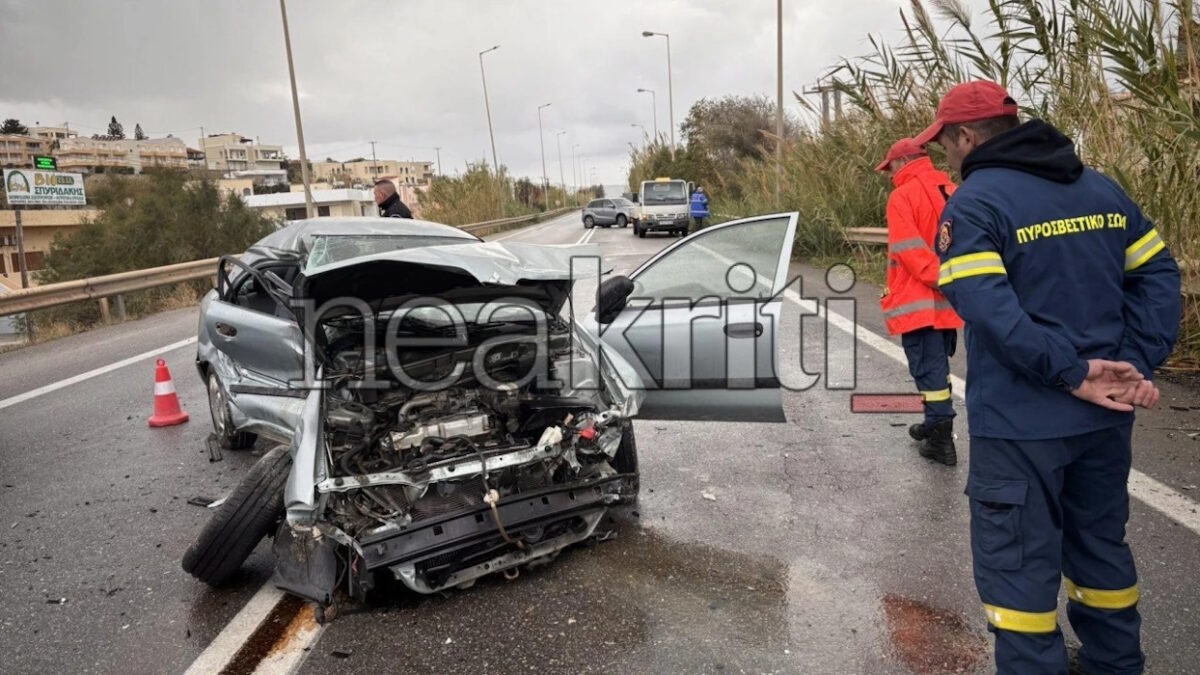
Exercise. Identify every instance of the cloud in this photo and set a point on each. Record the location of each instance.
(407, 73)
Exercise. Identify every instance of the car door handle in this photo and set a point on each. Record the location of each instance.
(226, 330)
(744, 330)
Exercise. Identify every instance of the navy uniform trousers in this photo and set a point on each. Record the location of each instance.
(929, 350)
(1041, 509)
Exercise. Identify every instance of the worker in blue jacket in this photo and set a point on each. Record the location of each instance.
(699, 207)
(1071, 300)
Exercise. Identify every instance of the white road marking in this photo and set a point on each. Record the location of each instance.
(40, 391)
(1152, 493)
(535, 228)
(227, 643)
(286, 658)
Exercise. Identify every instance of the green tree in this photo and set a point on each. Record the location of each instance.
(137, 133)
(13, 126)
(159, 218)
(115, 130)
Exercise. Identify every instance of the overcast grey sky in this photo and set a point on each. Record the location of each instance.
(406, 72)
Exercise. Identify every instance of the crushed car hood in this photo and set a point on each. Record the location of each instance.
(456, 272)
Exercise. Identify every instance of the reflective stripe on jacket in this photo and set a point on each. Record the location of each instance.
(912, 299)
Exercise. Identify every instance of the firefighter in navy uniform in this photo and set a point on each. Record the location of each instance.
(1070, 300)
(912, 305)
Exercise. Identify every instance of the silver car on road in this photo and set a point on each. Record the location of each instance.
(441, 413)
(605, 212)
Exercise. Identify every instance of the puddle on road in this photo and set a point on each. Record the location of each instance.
(931, 640)
(639, 603)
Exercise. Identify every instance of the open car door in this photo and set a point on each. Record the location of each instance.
(701, 322)
(250, 322)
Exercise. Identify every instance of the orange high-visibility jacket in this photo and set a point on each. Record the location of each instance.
(911, 299)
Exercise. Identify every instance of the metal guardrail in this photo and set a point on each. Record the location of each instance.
(114, 285)
(867, 235)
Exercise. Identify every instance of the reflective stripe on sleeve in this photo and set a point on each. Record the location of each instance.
(1143, 250)
(936, 396)
(916, 306)
(908, 245)
(1101, 599)
(1021, 622)
(970, 265)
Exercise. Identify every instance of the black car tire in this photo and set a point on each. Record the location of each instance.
(253, 510)
(622, 221)
(222, 421)
(588, 222)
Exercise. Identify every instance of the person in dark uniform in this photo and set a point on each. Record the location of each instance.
(1071, 300)
(389, 202)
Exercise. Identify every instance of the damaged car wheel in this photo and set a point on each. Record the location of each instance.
(253, 510)
(218, 408)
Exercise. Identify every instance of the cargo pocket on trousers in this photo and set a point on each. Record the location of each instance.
(996, 521)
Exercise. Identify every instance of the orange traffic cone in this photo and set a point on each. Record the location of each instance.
(166, 403)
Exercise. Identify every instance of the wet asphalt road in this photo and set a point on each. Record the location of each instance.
(830, 547)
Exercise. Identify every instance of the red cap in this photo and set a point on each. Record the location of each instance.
(905, 147)
(969, 102)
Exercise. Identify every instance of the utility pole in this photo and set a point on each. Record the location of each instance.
(825, 90)
(287, 42)
(438, 150)
(374, 164)
(778, 103)
(542, 141)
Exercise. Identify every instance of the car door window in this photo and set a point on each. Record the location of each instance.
(607, 204)
(593, 205)
(722, 263)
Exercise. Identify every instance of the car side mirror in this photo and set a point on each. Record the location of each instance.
(614, 292)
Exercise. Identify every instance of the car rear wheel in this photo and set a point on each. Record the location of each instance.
(589, 222)
(622, 221)
(249, 514)
(222, 420)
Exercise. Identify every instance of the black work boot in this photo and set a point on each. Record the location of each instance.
(918, 431)
(939, 446)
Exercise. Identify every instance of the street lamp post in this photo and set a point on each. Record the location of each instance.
(670, 87)
(487, 106)
(778, 103)
(562, 177)
(287, 43)
(643, 128)
(574, 173)
(653, 108)
(542, 141)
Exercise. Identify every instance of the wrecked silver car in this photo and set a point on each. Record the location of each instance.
(441, 413)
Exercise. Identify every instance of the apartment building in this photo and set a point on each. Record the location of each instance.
(51, 134)
(291, 205)
(239, 157)
(17, 150)
(366, 172)
(90, 155)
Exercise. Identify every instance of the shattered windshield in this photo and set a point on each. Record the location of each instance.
(331, 248)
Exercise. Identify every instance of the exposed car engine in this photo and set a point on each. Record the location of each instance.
(398, 458)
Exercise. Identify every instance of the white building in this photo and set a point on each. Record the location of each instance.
(329, 203)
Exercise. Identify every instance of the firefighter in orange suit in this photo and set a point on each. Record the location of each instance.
(913, 306)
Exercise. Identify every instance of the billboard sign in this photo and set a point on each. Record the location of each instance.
(26, 187)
